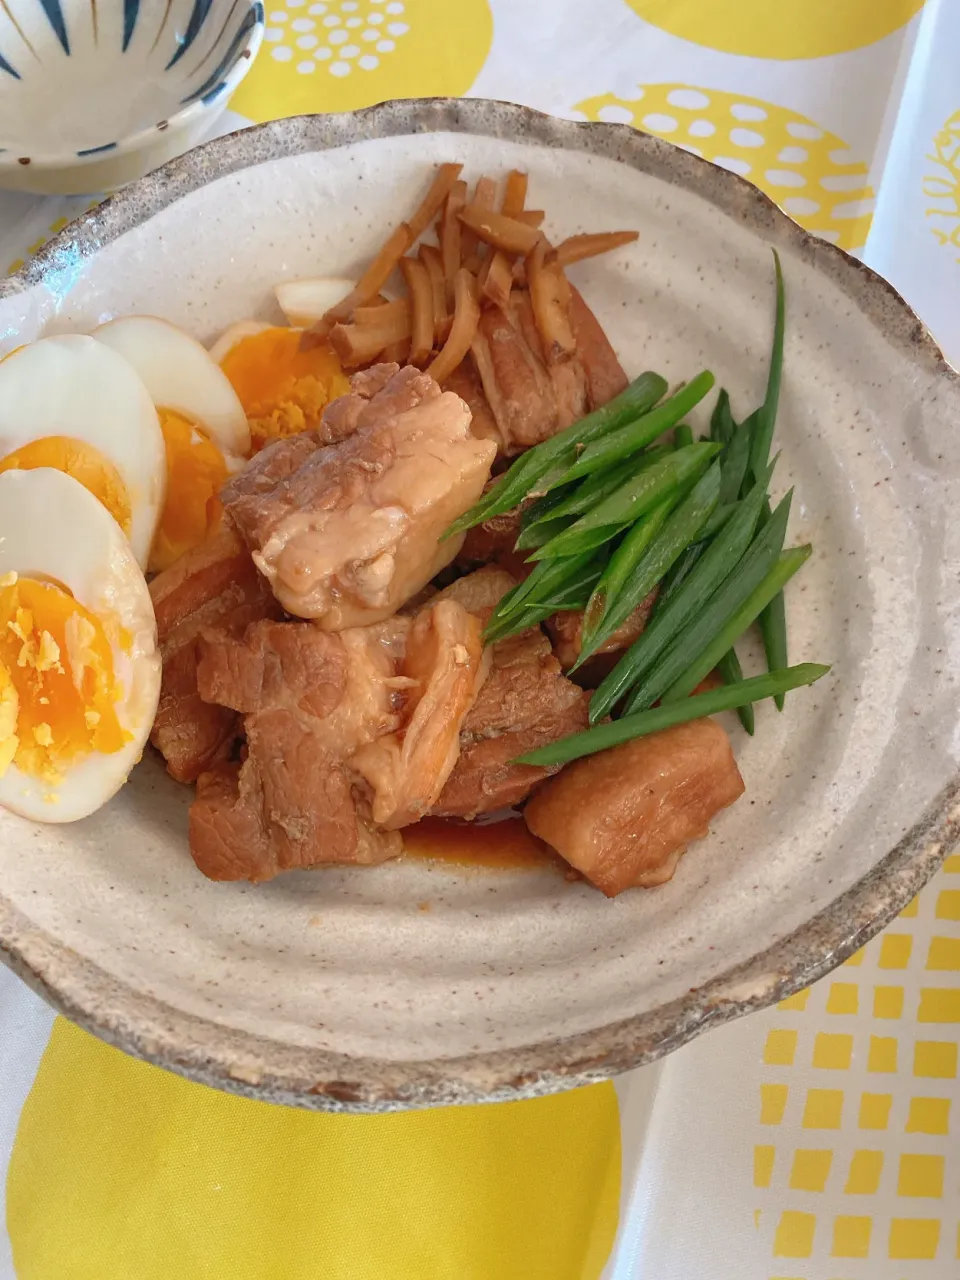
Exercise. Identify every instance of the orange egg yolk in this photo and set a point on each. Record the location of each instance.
(196, 472)
(58, 691)
(283, 387)
(83, 463)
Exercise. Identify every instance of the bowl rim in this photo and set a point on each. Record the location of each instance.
(263, 1068)
(17, 155)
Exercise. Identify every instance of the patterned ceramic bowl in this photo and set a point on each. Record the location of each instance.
(93, 93)
(425, 982)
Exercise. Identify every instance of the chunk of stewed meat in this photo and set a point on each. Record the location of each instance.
(604, 372)
(622, 817)
(566, 632)
(524, 703)
(354, 531)
(465, 382)
(292, 802)
(215, 584)
(349, 736)
(444, 665)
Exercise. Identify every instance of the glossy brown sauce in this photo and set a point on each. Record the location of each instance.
(503, 845)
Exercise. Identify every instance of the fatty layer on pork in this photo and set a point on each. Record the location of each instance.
(352, 531)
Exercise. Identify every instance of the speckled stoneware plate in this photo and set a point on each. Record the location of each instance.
(334, 988)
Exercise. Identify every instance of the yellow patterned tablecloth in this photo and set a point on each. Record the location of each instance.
(810, 1142)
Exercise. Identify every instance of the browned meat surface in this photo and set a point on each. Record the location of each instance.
(465, 382)
(529, 399)
(292, 801)
(486, 542)
(274, 464)
(353, 531)
(604, 373)
(348, 414)
(216, 584)
(516, 398)
(480, 592)
(492, 543)
(568, 378)
(282, 459)
(349, 737)
(348, 680)
(272, 665)
(444, 665)
(566, 631)
(515, 382)
(525, 702)
(622, 817)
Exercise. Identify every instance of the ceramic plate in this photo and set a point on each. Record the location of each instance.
(336, 987)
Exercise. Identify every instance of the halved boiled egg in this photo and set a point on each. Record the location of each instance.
(284, 385)
(79, 665)
(203, 423)
(73, 404)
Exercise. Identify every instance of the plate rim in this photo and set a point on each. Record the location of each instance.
(259, 1067)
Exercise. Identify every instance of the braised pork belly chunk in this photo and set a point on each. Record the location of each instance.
(349, 736)
(290, 803)
(444, 665)
(602, 369)
(529, 399)
(566, 632)
(524, 703)
(353, 530)
(518, 396)
(624, 816)
(215, 585)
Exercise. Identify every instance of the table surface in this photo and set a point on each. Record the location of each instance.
(809, 1142)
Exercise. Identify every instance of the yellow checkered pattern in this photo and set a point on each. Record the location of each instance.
(855, 1169)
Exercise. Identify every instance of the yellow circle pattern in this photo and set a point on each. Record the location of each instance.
(807, 170)
(340, 55)
(942, 184)
(121, 1171)
(779, 28)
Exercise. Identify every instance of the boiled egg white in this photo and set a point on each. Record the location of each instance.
(304, 302)
(180, 375)
(79, 664)
(71, 403)
(203, 423)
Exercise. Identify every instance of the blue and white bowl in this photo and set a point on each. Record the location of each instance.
(94, 93)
